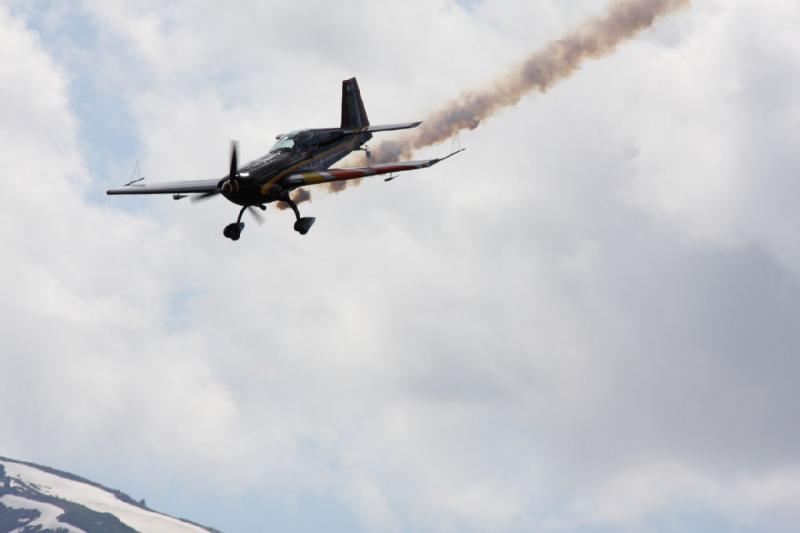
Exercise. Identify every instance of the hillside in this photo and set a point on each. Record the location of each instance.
(39, 499)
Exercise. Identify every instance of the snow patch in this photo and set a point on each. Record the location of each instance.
(98, 500)
(48, 514)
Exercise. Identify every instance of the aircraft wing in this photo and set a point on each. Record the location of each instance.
(173, 187)
(341, 174)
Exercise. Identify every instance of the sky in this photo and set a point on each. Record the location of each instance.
(587, 322)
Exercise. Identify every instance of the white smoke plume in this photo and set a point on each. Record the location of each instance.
(558, 60)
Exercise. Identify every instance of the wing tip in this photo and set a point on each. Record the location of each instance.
(448, 156)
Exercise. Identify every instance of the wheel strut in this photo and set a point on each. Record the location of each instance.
(288, 201)
(241, 212)
(301, 224)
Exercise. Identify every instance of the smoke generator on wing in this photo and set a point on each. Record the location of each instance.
(558, 60)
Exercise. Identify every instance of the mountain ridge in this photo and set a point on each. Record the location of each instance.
(36, 498)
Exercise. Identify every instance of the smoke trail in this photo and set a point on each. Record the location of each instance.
(558, 60)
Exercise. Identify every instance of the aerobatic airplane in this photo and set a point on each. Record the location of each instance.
(299, 158)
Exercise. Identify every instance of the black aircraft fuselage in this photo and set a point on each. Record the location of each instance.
(299, 151)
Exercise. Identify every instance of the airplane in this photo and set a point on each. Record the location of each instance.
(297, 159)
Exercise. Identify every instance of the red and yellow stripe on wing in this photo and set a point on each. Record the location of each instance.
(341, 174)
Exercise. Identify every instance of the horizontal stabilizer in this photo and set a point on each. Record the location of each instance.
(384, 127)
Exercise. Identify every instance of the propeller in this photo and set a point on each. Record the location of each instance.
(234, 160)
(256, 215)
(230, 180)
(203, 197)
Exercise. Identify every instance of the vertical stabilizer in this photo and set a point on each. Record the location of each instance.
(354, 116)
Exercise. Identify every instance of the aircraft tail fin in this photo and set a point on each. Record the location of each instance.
(354, 116)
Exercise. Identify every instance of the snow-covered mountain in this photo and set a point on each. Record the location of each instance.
(38, 499)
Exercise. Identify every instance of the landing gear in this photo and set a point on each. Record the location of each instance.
(302, 224)
(233, 231)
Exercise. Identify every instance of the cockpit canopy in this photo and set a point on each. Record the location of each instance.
(284, 144)
(294, 141)
(304, 139)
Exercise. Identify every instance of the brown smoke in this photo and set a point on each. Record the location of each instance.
(558, 60)
(298, 196)
(338, 186)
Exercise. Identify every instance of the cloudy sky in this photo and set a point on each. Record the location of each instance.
(587, 322)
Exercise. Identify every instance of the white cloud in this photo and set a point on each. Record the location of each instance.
(502, 342)
(640, 490)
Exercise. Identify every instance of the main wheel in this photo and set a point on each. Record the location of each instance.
(233, 231)
(303, 225)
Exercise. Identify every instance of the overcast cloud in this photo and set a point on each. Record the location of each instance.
(589, 321)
